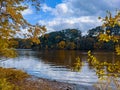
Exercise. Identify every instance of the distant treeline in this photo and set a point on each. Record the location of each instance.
(72, 39)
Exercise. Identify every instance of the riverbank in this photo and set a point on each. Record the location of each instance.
(12, 79)
(46, 84)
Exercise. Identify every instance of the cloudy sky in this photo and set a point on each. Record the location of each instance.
(63, 14)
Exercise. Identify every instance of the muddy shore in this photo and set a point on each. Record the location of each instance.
(45, 84)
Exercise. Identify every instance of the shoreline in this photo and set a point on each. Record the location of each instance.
(52, 84)
(20, 80)
(57, 85)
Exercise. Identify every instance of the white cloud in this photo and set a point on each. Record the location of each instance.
(45, 8)
(27, 11)
(82, 23)
(60, 9)
(81, 14)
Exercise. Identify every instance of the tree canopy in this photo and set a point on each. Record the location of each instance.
(111, 21)
(12, 21)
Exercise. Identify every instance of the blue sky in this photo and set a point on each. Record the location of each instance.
(63, 14)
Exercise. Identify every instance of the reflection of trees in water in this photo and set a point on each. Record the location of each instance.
(68, 57)
(107, 72)
(60, 57)
(77, 66)
(106, 69)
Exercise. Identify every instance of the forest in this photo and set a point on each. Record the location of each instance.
(72, 39)
(38, 60)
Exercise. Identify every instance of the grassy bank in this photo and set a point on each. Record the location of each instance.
(12, 79)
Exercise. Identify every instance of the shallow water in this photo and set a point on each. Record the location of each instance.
(57, 65)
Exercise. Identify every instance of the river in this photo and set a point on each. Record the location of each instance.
(57, 65)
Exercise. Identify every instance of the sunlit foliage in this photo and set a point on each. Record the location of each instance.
(12, 21)
(118, 49)
(61, 44)
(110, 21)
(60, 40)
(106, 38)
(70, 45)
(107, 72)
(11, 79)
(8, 78)
(78, 65)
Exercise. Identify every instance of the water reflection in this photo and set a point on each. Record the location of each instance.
(107, 72)
(57, 65)
(61, 57)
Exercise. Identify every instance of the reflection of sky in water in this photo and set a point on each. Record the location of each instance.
(36, 66)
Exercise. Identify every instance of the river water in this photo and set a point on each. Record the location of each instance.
(57, 65)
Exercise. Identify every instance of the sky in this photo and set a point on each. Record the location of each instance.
(71, 14)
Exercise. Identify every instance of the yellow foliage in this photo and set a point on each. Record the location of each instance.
(117, 48)
(100, 66)
(106, 38)
(4, 85)
(110, 21)
(12, 21)
(61, 44)
(71, 45)
(105, 70)
(8, 78)
(78, 64)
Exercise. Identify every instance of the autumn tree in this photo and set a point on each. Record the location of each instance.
(103, 69)
(111, 21)
(61, 45)
(12, 21)
(70, 45)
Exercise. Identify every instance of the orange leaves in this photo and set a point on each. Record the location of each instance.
(111, 20)
(117, 48)
(103, 69)
(6, 48)
(35, 40)
(12, 21)
(35, 32)
(71, 45)
(15, 15)
(106, 38)
(78, 65)
(62, 44)
(9, 53)
(29, 30)
(9, 78)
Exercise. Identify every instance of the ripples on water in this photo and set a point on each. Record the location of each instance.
(56, 65)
